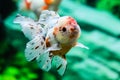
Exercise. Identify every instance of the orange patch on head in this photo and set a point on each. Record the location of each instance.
(55, 31)
(28, 4)
(47, 42)
(71, 20)
(48, 2)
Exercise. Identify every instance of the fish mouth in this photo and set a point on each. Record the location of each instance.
(74, 29)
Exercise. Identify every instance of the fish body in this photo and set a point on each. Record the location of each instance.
(66, 32)
(51, 37)
(39, 5)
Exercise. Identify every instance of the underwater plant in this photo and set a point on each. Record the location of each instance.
(51, 37)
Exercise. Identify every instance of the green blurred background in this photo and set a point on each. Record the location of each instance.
(100, 24)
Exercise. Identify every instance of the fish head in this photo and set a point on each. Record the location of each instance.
(67, 30)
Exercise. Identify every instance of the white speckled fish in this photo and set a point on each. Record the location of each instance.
(51, 37)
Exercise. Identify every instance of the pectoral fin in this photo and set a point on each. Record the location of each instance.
(81, 45)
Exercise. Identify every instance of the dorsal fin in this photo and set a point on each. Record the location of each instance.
(48, 19)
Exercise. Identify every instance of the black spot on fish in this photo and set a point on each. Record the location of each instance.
(59, 67)
(32, 43)
(31, 28)
(50, 55)
(18, 15)
(43, 47)
(30, 53)
(43, 37)
(40, 30)
(47, 60)
(38, 24)
(34, 59)
(42, 43)
(42, 25)
(39, 53)
(36, 47)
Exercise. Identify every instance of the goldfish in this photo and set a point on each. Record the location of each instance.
(51, 37)
(39, 5)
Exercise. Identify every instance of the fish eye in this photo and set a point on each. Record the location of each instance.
(63, 29)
